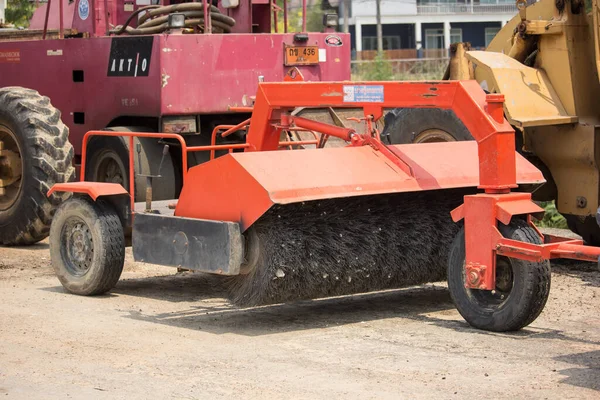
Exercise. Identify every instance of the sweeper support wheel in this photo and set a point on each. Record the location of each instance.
(87, 246)
(522, 287)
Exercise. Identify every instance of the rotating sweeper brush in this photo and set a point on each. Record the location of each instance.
(349, 245)
(286, 223)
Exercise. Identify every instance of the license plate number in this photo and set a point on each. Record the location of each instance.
(301, 55)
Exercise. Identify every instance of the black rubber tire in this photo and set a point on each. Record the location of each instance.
(588, 228)
(404, 125)
(46, 156)
(117, 149)
(102, 223)
(106, 146)
(526, 299)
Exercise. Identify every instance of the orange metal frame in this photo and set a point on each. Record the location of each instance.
(131, 135)
(229, 129)
(481, 113)
(98, 189)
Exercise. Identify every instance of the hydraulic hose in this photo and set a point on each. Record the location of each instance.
(155, 19)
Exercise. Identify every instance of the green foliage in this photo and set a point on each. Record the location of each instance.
(19, 12)
(379, 69)
(424, 70)
(314, 17)
(398, 70)
(552, 218)
(294, 19)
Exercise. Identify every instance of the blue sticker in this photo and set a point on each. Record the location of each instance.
(83, 9)
(363, 94)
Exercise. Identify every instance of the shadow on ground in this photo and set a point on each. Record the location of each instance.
(210, 311)
(186, 286)
(527, 333)
(586, 271)
(587, 372)
(33, 247)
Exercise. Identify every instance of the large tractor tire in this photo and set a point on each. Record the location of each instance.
(108, 161)
(522, 287)
(423, 125)
(35, 153)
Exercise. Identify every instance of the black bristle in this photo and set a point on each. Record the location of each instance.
(349, 245)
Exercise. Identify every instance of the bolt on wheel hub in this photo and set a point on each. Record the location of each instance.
(504, 284)
(78, 247)
(434, 136)
(109, 169)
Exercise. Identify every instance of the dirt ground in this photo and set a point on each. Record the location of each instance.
(163, 335)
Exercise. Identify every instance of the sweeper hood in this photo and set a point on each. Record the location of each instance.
(241, 187)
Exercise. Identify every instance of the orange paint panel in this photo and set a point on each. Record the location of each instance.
(295, 176)
(223, 190)
(454, 164)
(465, 98)
(240, 187)
(573, 249)
(505, 210)
(92, 189)
(481, 235)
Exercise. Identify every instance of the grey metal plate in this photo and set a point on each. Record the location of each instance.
(201, 245)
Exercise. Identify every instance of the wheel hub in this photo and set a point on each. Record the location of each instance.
(434, 136)
(79, 247)
(109, 169)
(504, 284)
(504, 276)
(11, 168)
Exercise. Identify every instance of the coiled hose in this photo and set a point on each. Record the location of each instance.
(155, 20)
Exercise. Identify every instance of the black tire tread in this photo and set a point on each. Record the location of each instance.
(588, 229)
(402, 125)
(51, 153)
(113, 246)
(537, 273)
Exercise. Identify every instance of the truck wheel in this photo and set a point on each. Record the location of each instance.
(108, 161)
(423, 125)
(87, 246)
(35, 153)
(587, 228)
(522, 287)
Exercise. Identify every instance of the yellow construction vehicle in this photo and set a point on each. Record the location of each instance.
(545, 61)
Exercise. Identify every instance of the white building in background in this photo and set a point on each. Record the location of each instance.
(3, 5)
(411, 25)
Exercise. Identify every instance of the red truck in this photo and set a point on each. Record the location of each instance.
(91, 64)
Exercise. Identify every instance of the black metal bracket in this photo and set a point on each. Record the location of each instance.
(215, 247)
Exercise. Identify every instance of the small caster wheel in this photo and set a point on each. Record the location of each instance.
(522, 287)
(87, 246)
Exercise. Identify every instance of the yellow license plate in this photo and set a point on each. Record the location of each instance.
(301, 55)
